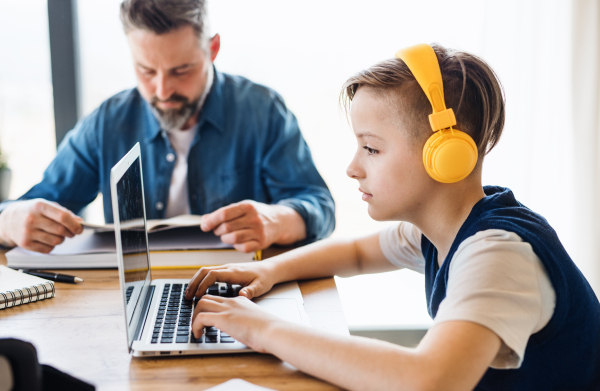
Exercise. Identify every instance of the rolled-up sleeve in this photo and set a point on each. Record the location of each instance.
(291, 176)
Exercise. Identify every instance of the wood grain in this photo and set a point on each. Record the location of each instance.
(81, 331)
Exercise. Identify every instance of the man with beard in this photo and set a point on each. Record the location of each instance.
(212, 144)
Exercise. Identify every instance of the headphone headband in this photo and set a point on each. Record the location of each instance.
(423, 63)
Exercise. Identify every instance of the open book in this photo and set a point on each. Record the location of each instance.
(177, 242)
(151, 225)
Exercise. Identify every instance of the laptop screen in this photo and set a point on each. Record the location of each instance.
(133, 236)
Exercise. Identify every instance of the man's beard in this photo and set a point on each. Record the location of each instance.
(174, 119)
(170, 119)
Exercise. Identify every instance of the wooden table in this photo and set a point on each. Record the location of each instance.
(81, 331)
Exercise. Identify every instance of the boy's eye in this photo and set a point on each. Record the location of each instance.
(370, 151)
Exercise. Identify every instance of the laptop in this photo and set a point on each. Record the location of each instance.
(158, 319)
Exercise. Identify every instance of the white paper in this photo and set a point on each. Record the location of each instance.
(238, 385)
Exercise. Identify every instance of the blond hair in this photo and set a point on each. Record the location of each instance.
(471, 89)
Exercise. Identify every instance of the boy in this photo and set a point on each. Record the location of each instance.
(511, 311)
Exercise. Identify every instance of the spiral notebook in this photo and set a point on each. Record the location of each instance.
(19, 288)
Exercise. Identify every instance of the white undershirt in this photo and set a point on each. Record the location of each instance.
(495, 279)
(179, 202)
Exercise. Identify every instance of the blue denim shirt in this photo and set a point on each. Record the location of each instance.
(248, 146)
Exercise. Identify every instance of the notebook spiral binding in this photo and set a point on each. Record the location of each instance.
(26, 295)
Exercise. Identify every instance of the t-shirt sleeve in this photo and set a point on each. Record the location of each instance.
(496, 280)
(401, 245)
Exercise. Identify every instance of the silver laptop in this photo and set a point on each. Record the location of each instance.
(158, 319)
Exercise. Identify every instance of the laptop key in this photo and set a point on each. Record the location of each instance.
(181, 339)
(227, 340)
(211, 339)
(154, 340)
(156, 335)
(194, 340)
(183, 332)
(166, 340)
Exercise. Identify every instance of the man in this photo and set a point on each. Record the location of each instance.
(212, 144)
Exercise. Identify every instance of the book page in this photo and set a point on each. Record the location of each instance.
(11, 279)
(177, 221)
(153, 225)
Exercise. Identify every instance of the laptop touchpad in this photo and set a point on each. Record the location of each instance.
(286, 309)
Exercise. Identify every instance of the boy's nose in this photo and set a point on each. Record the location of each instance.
(353, 171)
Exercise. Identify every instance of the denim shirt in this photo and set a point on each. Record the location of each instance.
(248, 146)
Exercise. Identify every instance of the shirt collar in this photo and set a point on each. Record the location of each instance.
(212, 111)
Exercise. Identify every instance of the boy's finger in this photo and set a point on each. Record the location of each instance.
(200, 321)
(251, 291)
(195, 281)
(209, 303)
(213, 276)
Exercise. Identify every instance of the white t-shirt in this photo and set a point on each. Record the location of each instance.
(179, 201)
(495, 279)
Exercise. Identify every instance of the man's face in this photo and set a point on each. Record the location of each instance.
(387, 165)
(174, 73)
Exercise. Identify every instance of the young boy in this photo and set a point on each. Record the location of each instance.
(511, 310)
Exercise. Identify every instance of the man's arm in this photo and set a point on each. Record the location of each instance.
(302, 208)
(42, 217)
(37, 225)
(252, 226)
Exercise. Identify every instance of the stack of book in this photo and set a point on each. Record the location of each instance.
(174, 243)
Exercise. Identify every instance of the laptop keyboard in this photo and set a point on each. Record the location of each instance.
(173, 322)
(128, 293)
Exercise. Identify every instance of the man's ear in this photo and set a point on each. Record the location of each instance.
(214, 45)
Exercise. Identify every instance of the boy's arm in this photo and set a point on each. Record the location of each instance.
(453, 355)
(321, 259)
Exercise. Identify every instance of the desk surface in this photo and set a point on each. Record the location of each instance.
(81, 331)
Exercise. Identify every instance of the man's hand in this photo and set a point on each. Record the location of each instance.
(252, 226)
(256, 278)
(238, 317)
(37, 225)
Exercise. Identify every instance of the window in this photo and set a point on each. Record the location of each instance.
(26, 106)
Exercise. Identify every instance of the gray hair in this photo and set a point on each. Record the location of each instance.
(164, 16)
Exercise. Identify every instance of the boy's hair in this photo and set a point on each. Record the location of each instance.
(163, 16)
(471, 89)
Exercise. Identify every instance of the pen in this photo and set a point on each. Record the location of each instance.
(52, 276)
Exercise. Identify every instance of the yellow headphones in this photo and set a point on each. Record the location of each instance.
(449, 155)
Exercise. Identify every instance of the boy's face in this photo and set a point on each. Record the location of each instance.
(387, 165)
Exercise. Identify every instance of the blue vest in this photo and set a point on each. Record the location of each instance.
(565, 354)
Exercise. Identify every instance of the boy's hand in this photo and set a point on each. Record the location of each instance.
(239, 317)
(256, 278)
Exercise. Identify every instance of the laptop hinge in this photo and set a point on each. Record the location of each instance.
(144, 313)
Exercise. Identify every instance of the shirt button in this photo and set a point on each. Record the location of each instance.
(170, 157)
(159, 205)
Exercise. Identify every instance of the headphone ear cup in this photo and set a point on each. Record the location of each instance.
(449, 155)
